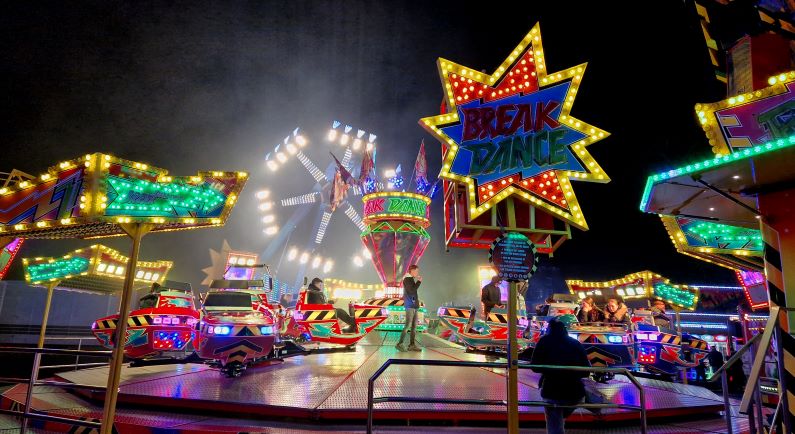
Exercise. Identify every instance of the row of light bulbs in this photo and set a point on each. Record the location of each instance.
(304, 257)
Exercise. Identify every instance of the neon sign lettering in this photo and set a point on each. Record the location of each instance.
(394, 205)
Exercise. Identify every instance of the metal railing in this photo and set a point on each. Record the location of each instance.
(27, 412)
(77, 363)
(751, 393)
(722, 373)
(372, 400)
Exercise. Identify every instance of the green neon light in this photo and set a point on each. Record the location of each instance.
(403, 309)
(714, 162)
(57, 269)
(679, 296)
(416, 230)
(398, 327)
(728, 234)
(129, 196)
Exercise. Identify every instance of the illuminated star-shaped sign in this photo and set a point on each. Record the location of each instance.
(510, 133)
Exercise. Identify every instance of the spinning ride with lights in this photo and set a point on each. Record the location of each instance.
(644, 344)
(396, 236)
(319, 204)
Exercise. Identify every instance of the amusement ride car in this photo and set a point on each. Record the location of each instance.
(237, 328)
(164, 321)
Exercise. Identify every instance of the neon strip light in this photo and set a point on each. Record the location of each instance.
(705, 325)
(713, 162)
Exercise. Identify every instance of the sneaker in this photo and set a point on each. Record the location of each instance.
(414, 348)
(400, 348)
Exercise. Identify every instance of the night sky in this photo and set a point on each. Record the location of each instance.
(214, 86)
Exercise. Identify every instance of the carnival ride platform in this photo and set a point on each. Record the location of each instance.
(331, 389)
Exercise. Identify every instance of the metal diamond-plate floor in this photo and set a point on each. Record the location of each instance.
(333, 386)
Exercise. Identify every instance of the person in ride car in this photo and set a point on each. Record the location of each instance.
(589, 312)
(314, 295)
(616, 312)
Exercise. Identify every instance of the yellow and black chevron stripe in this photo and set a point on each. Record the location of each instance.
(320, 315)
(133, 321)
(385, 301)
(670, 339)
(699, 345)
(369, 312)
(139, 320)
(458, 313)
(86, 430)
(107, 324)
(774, 273)
(498, 318)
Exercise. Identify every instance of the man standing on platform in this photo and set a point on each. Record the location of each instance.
(490, 297)
(411, 302)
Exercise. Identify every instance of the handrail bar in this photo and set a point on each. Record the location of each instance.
(734, 358)
(56, 351)
(47, 417)
(371, 400)
(27, 411)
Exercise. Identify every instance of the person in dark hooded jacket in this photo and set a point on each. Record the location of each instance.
(560, 387)
(315, 295)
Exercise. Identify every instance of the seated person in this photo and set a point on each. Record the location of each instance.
(617, 312)
(658, 313)
(314, 295)
(589, 312)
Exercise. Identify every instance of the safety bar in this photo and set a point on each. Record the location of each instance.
(32, 381)
(722, 373)
(372, 400)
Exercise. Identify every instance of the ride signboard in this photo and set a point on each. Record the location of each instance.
(511, 134)
(514, 257)
(89, 197)
(400, 205)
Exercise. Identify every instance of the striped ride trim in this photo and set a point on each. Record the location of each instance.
(778, 297)
(498, 318)
(320, 315)
(85, 429)
(385, 301)
(789, 369)
(139, 320)
(457, 313)
(367, 312)
(670, 339)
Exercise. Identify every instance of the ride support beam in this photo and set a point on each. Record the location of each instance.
(778, 234)
(47, 304)
(513, 363)
(136, 232)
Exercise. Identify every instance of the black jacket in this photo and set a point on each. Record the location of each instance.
(411, 300)
(490, 295)
(314, 295)
(557, 348)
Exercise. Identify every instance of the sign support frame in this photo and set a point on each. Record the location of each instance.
(136, 232)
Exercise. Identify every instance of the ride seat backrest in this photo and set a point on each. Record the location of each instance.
(301, 298)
